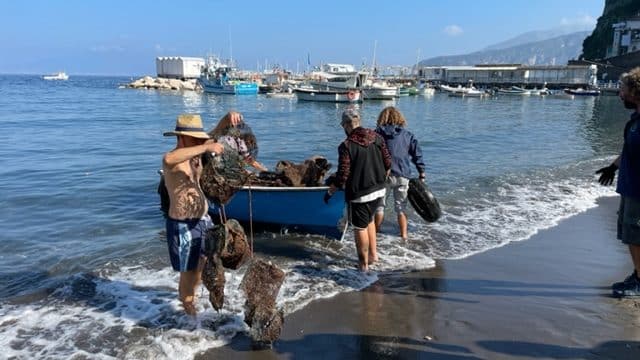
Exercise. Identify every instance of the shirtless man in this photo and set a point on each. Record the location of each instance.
(188, 219)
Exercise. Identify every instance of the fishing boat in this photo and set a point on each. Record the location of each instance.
(298, 209)
(345, 77)
(344, 96)
(57, 76)
(219, 78)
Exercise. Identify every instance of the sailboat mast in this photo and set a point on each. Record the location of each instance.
(373, 58)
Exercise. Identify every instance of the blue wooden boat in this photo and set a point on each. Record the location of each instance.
(297, 209)
(220, 78)
(219, 86)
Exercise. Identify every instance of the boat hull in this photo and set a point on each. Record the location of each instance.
(299, 209)
(351, 96)
(374, 93)
(580, 92)
(58, 76)
(241, 88)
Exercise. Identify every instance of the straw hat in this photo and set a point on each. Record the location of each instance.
(189, 125)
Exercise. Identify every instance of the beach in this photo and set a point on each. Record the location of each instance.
(544, 298)
(503, 192)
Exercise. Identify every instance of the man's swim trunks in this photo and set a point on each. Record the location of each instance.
(185, 239)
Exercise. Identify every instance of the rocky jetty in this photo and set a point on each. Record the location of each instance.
(149, 82)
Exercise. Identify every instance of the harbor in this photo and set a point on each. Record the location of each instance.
(334, 82)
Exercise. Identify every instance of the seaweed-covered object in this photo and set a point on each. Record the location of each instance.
(222, 176)
(261, 282)
(213, 279)
(229, 242)
(266, 325)
(310, 172)
(235, 249)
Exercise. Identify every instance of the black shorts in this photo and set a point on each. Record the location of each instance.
(629, 221)
(361, 214)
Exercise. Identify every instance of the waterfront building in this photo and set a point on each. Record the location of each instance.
(511, 74)
(179, 67)
(626, 37)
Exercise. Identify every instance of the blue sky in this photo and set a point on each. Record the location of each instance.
(124, 37)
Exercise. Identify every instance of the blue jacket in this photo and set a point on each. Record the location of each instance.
(404, 149)
(629, 174)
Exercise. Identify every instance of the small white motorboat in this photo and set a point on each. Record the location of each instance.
(57, 76)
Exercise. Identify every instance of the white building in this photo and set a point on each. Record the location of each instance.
(626, 38)
(511, 74)
(179, 67)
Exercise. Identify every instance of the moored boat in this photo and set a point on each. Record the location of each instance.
(280, 95)
(469, 93)
(582, 92)
(379, 91)
(299, 209)
(219, 78)
(347, 96)
(514, 90)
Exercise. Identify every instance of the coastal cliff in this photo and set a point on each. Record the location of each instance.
(595, 45)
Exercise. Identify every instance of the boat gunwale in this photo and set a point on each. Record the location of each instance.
(284, 188)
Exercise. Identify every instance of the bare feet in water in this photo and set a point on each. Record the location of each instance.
(189, 306)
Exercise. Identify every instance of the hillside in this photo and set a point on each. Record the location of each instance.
(554, 51)
(595, 45)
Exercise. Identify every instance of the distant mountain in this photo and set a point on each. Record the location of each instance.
(539, 35)
(554, 51)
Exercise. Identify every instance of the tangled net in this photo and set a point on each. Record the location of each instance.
(222, 176)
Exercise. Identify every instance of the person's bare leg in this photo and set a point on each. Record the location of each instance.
(379, 218)
(189, 281)
(635, 257)
(402, 223)
(186, 291)
(373, 249)
(362, 247)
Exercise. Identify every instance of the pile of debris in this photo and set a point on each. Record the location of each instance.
(309, 173)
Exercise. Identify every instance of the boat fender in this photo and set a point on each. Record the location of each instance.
(351, 95)
(423, 201)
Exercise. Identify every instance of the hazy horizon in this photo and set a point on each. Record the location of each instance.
(124, 38)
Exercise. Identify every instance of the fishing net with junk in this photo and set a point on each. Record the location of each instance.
(222, 176)
(261, 284)
(311, 172)
(225, 246)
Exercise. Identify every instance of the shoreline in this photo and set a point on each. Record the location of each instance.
(548, 296)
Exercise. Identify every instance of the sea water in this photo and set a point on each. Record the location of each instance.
(84, 269)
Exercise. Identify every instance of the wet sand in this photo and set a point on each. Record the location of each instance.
(544, 298)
